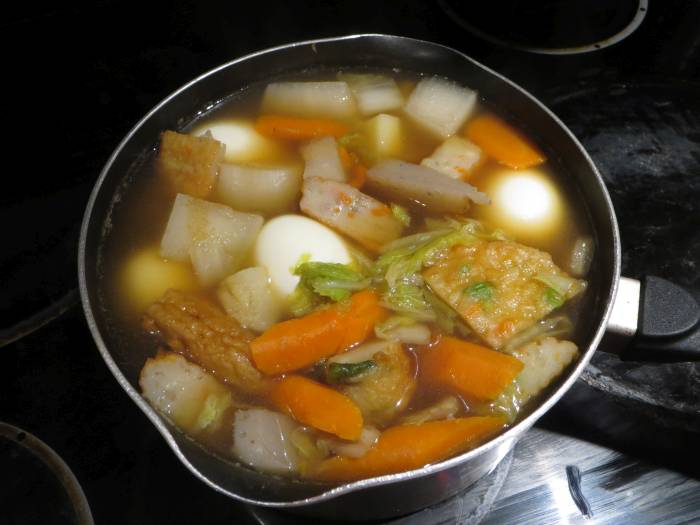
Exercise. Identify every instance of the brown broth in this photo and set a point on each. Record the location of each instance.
(140, 218)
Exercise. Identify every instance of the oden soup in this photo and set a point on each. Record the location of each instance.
(348, 274)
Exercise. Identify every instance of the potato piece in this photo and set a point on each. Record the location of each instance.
(193, 399)
(243, 142)
(262, 440)
(309, 99)
(267, 190)
(246, 296)
(347, 209)
(146, 276)
(189, 164)
(373, 93)
(205, 335)
(322, 160)
(440, 106)
(456, 157)
(214, 237)
(385, 391)
(417, 183)
(494, 286)
(383, 136)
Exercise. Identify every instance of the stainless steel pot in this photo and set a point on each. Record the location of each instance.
(395, 494)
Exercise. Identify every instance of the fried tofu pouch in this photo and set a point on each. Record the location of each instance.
(190, 164)
(499, 287)
(198, 330)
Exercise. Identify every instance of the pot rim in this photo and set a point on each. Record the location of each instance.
(503, 439)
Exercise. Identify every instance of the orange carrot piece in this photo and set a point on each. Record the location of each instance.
(503, 143)
(345, 158)
(470, 369)
(408, 447)
(293, 128)
(299, 343)
(358, 175)
(319, 406)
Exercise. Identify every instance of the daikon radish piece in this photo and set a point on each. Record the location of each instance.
(373, 93)
(439, 193)
(383, 136)
(440, 106)
(215, 238)
(247, 296)
(309, 99)
(456, 157)
(340, 206)
(262, 440)
(192, 398)
(267, 190)
(322, 160)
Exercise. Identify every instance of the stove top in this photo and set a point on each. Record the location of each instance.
(100, 65)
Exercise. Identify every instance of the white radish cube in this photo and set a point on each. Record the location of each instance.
(455, 157)
(191, 397)
(322, 160)
(248, 297)
(374, 93)
(267, 190)
(261, 439)
(177, 239)
(383, 135)
(215, 237)
(441, 106)
(309, 99)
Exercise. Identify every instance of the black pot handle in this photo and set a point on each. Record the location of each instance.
(662, 318)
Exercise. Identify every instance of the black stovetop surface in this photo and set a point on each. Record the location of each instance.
(78, 77)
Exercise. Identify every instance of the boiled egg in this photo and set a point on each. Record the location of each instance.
(525, 202)
(146, 276)
(286, 240)
(243, 142)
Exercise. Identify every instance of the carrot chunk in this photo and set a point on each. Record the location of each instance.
(358, 175)
(319, 406)
(299, 343)
(503, 143)
(293, 128)
(469, 369)
(408, 447)
(345, 158)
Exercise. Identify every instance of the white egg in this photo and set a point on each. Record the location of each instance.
(146, 276)
(284, 240)
(525, 202)
(243, 142)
